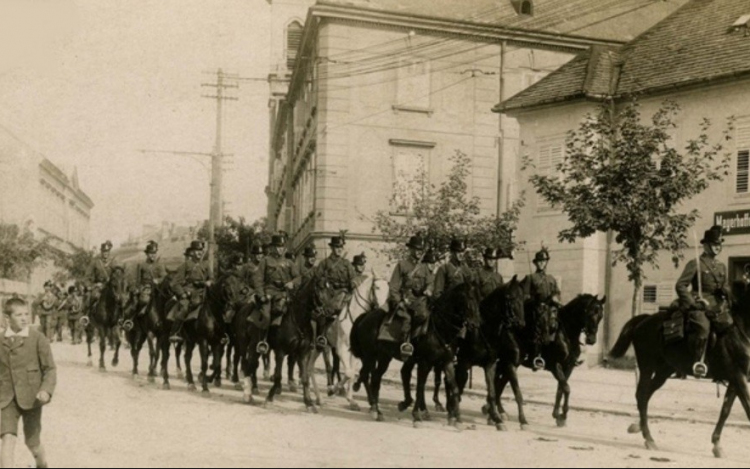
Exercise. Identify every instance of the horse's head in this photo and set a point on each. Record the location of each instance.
(371, 294)
(231, 292)
(118, 286)
(515, 301)
(592, 314)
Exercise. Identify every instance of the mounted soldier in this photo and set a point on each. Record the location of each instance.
(100, 271)
(488, 279)
(545, 296)
(306, 268)
(190, 283)
(148, 273)
(248, 270)
(271, 281)
(455, 272)
(704, 294)
(335, 279)
(410, 289)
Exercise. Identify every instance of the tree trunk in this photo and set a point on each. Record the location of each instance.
(636, 294)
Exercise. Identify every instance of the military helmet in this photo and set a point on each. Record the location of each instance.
(458, 245)
(337, 242)
(714, 236)
(542, 256)
(256, 250)
(152, 247)
(107, 246)
(491, 254)
(310, 251)
(277, 241)
(416, 242)
(360, 260)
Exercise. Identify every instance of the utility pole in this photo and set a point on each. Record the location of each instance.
(216, 217)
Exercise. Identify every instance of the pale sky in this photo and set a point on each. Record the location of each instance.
(88, 83)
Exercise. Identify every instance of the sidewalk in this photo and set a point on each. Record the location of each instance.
(613, 392)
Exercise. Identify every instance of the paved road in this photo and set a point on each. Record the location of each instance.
(110, 420)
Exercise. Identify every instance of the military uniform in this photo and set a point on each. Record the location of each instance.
(270, 281)
(149, 273)
(409, 289)
(338, 277)
(488, 280)
(714, 282)
(452, 275)
(545, 293)
(189, 284)
(100, 271)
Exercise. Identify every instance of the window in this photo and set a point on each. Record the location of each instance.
(650, 294)
(550, 157)
(410, 174)
(527, 8)
(293, 41)
(742, 182)
(414, 84)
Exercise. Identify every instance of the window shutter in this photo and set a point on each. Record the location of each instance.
(293, 41)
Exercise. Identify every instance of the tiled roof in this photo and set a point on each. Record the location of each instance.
(694, 45)
(620, 20)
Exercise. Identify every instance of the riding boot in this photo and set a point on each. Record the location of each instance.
(700, 369)
(175, 336)
(407, 349)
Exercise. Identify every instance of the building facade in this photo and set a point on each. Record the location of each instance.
(38, 195)
(382, 91)
(708, 78)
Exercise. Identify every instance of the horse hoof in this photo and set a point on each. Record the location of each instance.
(404, 406)
(486, 410)
(151, 380)
(439, 408)
(634, 429)
(354, 407)
(426, 416)
(504, 417)
(374, 415)
(166, 387)
(293, 388)
(256, 392)
(526, 427)
(115, 363)
(455, 423)
(134, 376)
(651, 446)
(380, 417)
(357, 386)
(205, 391)
(90, 364)
(501, 427)
(102, 369)
(331, 391)
(312, 409)
(562, 423)
(247, 399)
(318, 403)
(417, 424)
(192, 388)
(266, 376)
(719, 453)
(217, 384)
(238, 387)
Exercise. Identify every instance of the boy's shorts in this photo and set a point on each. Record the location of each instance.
(32, 423)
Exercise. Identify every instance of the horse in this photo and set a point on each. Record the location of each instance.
(583, 315)
(208, 331)
(292, 338)
(145, 326)
(104, 316)
(371, 294)
(435, 349)
(728, 358)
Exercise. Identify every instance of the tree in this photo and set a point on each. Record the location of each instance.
(21, 252)
(441, 213)
(236, 237)
(624, 175)
(74, 266)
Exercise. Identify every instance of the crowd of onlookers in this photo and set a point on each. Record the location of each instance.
(58, 309)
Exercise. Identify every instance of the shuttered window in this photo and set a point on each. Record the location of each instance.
(293, 41)
(742, 181)
(650, 294)
(550, 157)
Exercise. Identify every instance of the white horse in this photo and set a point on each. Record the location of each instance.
(371, 294)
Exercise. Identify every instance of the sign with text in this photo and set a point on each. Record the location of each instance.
(734, 223)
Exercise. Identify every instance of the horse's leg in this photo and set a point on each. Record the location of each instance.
(102, 348)
(249, 361)
(267, 366)
(153, 354)
(117, 345)
(278, 374)
(501, 382)
(406, 373)
(133, 337)
(189, 349)
(306, 369)
(329, 371)
(89, 341)
(230, 361)
(560, 414)
(165, 346)
(178, 349)
(423, 372)
(454, 396)
(203, 349)
(490, 373)
(313, 377)
(650, 382)
(512, 373)
(439, 407)
(236, 359)
(377, 379)
(726, 409)
(291, 382)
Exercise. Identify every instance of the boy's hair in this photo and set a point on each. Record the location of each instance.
(13, 303)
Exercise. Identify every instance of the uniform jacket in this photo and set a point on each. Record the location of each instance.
(713, 277)
(488, 280)
(544, 288)
(190, 276)
(450, 275)
(26, 369)
(148, 273)
(100, 271)
(273, 274)
(410, 279)
(338, 273)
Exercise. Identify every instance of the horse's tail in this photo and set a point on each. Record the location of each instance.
(626, 337)
(354, 340)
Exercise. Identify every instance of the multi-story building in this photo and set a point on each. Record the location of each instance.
(695, 58)
(38, 195)
(383, 89)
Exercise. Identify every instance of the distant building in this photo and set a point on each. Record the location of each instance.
(697, 58)
(38, 195)
(383, 89)
(173, 241)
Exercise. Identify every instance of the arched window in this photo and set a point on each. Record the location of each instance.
(293, 40)
(527, 8)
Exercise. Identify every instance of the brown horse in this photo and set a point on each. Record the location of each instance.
(104, 316)
(728, 358)
(143, 326)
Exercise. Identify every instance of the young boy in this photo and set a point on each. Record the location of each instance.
(27, 382)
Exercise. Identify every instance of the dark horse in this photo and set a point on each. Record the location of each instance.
(435, 349)
(104, 316)
(209, 331)
(728, 359)
(583, 315)
(145, 326)
(292, 339)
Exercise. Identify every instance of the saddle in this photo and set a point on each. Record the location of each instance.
(391, 330)
(677, 327)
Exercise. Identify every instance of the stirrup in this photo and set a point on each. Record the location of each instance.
(263, 348)
(85, 321)
(407, 350)
(175, 339)
(128, 325)
(225, 340)
(321, 342)
(539, 363)
(700, 370)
